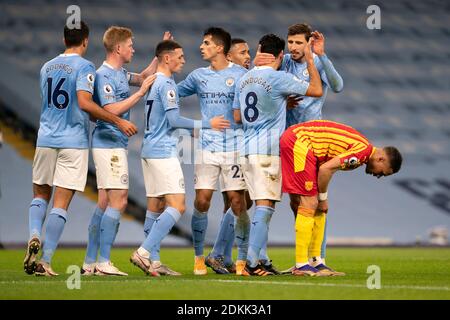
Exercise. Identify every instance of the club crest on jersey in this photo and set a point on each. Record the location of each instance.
(229, 82)
(305, 73)
(124, 179)
(107, 88)
(352, 162)
(309, 185)
(90, 78)
(171, 95)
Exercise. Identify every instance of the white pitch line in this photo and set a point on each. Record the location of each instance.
(284, 283)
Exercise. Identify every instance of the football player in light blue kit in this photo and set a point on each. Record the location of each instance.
(163, 177)
(61, 157)
(301, 109)
(218, 151)
(239, 54)
(109, 146)
(261, 106)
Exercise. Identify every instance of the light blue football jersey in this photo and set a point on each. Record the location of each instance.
(310, 108)
(215, 91)
(63, 124)
(261, 96)
(111, 86)
(159, 141)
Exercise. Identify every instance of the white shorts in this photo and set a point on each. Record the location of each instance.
(210, 165)
(65, 168)
(111, 166)
(262, 174)
(162, 176)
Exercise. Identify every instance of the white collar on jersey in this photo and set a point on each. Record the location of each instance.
(262, 67)
(110, 66)
(230, 64)
(68, 54)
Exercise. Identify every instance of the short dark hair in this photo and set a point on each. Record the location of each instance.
(395, 158)
(220, 37)
(271, 43)
(237, 41)
(74, 37)
(300, 28)
(166, 46)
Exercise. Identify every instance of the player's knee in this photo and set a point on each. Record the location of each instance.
(180, 207)
(102, 204)
(202, 204)
(120, 203)
(123, 205)
(237, 205)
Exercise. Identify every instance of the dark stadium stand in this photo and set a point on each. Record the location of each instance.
(396, 80)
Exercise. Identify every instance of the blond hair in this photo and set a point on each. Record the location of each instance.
(115, 35)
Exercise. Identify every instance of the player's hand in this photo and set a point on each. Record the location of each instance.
(293, 102)
(167, 36)
(308, 53)
(263, 58)
(146, 84)
(127, 127)
(318, 43)
(323, 206)
(219, 123)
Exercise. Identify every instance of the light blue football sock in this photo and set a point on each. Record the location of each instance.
(228, 252)
(226, 227)
(199, 224)
(93, 236)
(55, 226)
(108, 231)
(258, 233)
(242, 234)
(161, 228)
(323, 249)
(150, 218)
(36, 216)
(263, 256)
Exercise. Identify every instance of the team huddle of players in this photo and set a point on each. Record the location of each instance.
(261, 134)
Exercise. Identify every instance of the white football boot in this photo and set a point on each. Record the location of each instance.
(164, 270)
(44, 269)
(108, 269)
(143, 263)
(88, 269)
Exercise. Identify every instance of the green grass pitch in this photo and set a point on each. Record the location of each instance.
(406, 273)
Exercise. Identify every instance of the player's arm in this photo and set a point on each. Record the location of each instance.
(177, 121)
(333, 78)
(236, 105)
(170, 100)
(326, 171)
(315, 82)
(237, 116)
(88, 105)
(188, 86)
(136, 79)
(123, 106)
